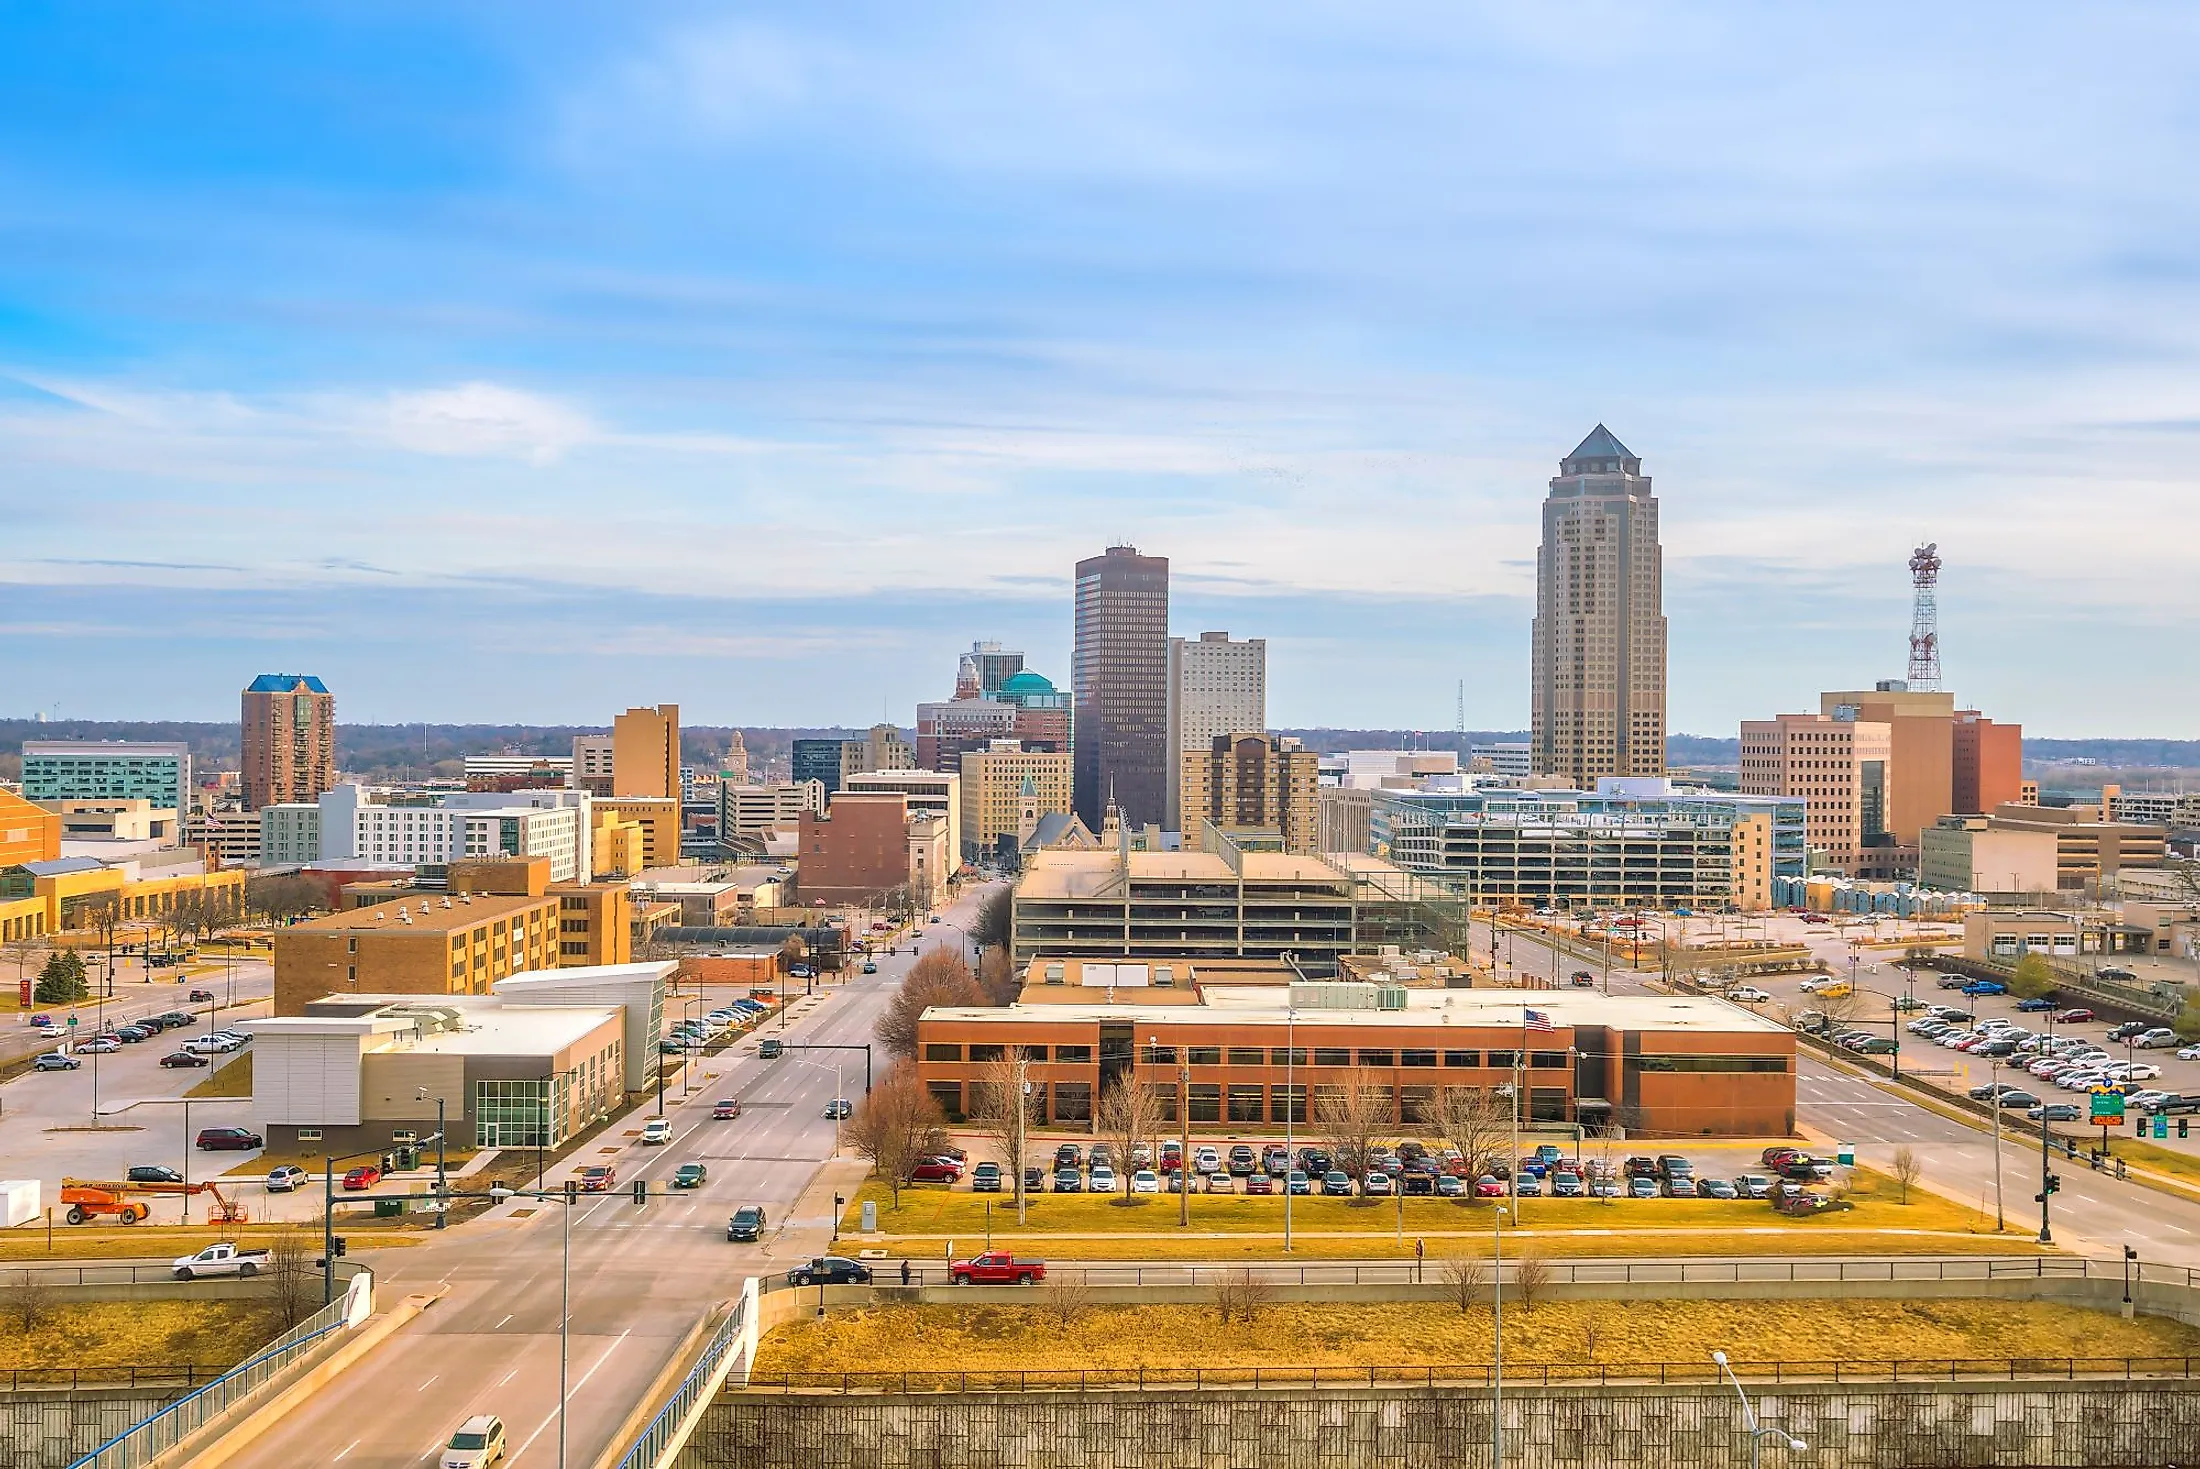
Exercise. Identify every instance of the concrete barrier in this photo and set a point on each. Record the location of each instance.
(48, 1428)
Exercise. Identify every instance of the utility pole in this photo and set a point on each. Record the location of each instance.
(1023, 1109)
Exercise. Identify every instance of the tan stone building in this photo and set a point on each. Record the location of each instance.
(1968, 854)
(1598, 697)
(659, 820)
(992, 792)
(2088, 849)
(1837, 767)
(1248, 781)
(1921, 748)
(645, 756)
(453, 945)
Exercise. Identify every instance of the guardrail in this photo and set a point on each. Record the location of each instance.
(122, 1272)
(1805, 1270)
(666, 1431)
(17, 1379)
(164, 1430)
(1473, 1374)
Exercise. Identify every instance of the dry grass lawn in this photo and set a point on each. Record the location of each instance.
(940, 1213)
(992, 1338)
(140, 1334)
(232, 1078)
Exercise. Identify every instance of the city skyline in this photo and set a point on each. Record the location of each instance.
(668, 285)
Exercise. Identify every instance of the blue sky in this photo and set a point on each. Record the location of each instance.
(512, 362)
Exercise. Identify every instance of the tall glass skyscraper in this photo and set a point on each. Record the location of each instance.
(1120, 671)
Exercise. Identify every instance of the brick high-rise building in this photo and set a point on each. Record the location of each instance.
(1988, 764)
(1120, 672)
(289, 745)
(1839, 768)
(1598, 701)
(1248, 781)
(645, 755)
(1216, 687)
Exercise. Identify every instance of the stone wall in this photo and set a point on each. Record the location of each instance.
(48, 1429)
(1887, 1426)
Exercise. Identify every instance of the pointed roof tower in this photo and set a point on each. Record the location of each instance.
(1600, 453)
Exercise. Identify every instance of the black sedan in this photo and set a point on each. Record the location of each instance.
(182, 1059)
(153, 1173)
(830, 1270)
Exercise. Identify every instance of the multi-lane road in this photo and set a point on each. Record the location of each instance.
(641, 1275)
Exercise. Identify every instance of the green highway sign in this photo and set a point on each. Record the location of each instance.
(2108, 1106)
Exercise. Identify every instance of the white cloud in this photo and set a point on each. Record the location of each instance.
(481, 418)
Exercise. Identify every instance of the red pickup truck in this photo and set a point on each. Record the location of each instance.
(997, 1267)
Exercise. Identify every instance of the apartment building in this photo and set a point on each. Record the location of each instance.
(857, 851)
(931, 792)
(593, 759)
(753, 810)
(1986, 764)
(454, 945)
(1247, 781)
(1216, 687)
(289, 739)
(645, 753)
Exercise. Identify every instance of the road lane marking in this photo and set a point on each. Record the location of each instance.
(507, 1377)
(424, 1386)
(500, 1325)
(571, 1393)
(347, 1448)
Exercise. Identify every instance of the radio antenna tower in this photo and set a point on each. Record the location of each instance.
(1925, 618)
(1462, 726)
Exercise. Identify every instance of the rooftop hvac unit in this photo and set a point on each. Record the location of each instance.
(1390, 997)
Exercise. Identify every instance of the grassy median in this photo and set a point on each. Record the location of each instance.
(1034, 1337)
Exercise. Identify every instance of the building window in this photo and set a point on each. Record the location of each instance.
(309, 1134)
(1295, 1056)
(942, 1051)
(1247, 1103)
(1332, 1056)
(949, 1095)
(1416, 1058)
(1547, 1060)
(1158, 1055)
(1073, 1101)
(987, 1052)
(1247, 1056)
(1203, 1056)
(1072, 1055)
(1287, 1103)
(1500, 1061)
(1164, 1098)
(1206, 1102)
(1416, 1104)
(1376, 1058)
(1463, 1058)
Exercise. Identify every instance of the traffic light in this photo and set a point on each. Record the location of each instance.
(572, 1191)
(2138, 1127)
(2183, 1126)
(641, 1190)
(2054, 1183)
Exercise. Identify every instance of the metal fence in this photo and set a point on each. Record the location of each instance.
(22, 1379)
(62, 1275)
(1471, 1374)
(701, 1384)
(187, 1415)
(1730, 1271)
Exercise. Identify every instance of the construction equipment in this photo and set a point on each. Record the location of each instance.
(90, 1199)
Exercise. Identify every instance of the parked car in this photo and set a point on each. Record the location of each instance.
(936, 1170)
(1243, 1160)
(180, 1060)
(1337, 1184)
(1748, 994)
(222, 1139)
(153, 1173)
(1068, 1181)
(2158, 1038)
(747, 1224)
(364, 1177)
(2054, 1112)
(1566, 1186)
(1753, 1186)
(1067, 1156)
(2073, 1016)
(99, 1045)
(986, 1178)
(1101, 1180)
(286, 1178)
(1642, 1186)
(2128, 1029)
(1450, 1186)
(1145, 1181)
(830, 1270)
(2037, 1003)
(2013, 1097)
(55, 1061)
(1297, 1181)
(1717, 1188)
(1680, 1187)
(1376, 1185)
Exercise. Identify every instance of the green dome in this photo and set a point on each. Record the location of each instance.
(1025, 684)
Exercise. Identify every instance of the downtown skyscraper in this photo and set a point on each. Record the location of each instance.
(1119, 670)
(1598, 703)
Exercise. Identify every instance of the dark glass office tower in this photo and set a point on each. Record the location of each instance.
(1120, 670)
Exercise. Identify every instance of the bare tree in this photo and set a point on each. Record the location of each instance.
(1129, 1114)
(1001, 1109)
(1465, 1279)
(280, 897)
(23, 952)
(1350, 1118)
(1242, 1295)
(293, 1285)
(1592, 1337)
(991, 926)
(897, 1124)
(939, 978)
(1065, 1297)
(1476, 1122)
(26, 1302)
(1907, 1169)
(1531, 1277)
(998, 978)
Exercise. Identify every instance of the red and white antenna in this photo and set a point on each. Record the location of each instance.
(1925, 618)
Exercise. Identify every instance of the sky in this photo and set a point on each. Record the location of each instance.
(520, 362)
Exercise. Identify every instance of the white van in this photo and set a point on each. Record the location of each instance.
(478, 1443)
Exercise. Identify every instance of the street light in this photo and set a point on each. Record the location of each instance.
(1497, 1309)
(1184, 1132)
(442, 1195)
(1758, 1432)
(571, 1199)
(834, 1107)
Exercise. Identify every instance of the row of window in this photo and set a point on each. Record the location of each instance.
(1314, 1056)
(1237, 1102)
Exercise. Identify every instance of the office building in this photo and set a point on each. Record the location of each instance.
(831, 762)
(28, 831)
(1246, 782)
(934, 792)
(645, 753)
(932, 859)
(353, 821)
(1344, 818)
(1231, 901)
(593, 759)
(158, 774)
(2176, 809)
(74, 892)
(452, 945)
(756, 810)
(1986, 764)
(1840, 770)
(995, 797)
(496, 773)
(1219, 1057)
(595, 919)
(1966, 854)
(992, 665)
(2089, 849)
(289, 739)
(1120, 676)
(1515, 759)
(947, 728)
(657, 820)
(858, 851)
(1216, 687)
(1921, 745)
(1598, 697)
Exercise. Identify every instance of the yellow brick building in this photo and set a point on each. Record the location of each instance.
(453, 945)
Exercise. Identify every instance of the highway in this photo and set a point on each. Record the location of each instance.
(641, 1276)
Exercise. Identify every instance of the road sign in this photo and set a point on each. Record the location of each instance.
(72, 1022)
(1845, 1155)
(2161, 1127)
(2108, 1106)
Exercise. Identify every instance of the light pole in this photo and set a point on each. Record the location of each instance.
(442, 1196)
(1290, 1105)
(1993, 1099)
(571, 1199)
(1758, 1432)
(1497, 1313)
(834, 1106)
(1184, 1134)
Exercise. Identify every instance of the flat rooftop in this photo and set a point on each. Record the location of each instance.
(1240, 1005)
(486, 1026)
(429, 915)
(1087, 872)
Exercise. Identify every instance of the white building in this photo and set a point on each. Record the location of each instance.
(936, 792)
(754, 810)
(290, 834)
(1216, 687)
(491, 766)
(1506, 757)
(355, 822)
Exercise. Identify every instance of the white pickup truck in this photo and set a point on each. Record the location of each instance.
(222, 1259)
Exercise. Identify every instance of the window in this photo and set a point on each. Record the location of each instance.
(1072, 1055)
(1709, 1063)
(1500, 1060)
(1296, 1056)
(1035, 1053)
(1203, 1055)
(1332, 1056)
(1463, 1058)
(1376, 1058)
(948, 1094)
(1206, 1102)
(309, 1134)
(942, 1051)
(987, 1052)
(1416, 1058)
(1547, 1059)
(1288, 1103)
(1072, 1101)
(1164, 1098)
(1247, 1056)
(1247, 1103)
(1416, 1103)
(1158, 1055)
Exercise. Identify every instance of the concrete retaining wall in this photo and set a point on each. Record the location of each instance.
(51, 1428)
(2001, 1426)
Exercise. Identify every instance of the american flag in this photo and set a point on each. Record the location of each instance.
(1534, 1020)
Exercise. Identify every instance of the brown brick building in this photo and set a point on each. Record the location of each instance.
(418, 945)
(857, 850)
(289, 739)
(595, 919)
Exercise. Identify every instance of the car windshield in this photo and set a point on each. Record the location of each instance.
(746, 1216)
(469, 1440)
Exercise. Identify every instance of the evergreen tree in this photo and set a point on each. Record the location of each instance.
(61, 982)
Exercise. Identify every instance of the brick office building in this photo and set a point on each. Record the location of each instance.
(414, 946)
(857, 850)
(1657, 1066)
